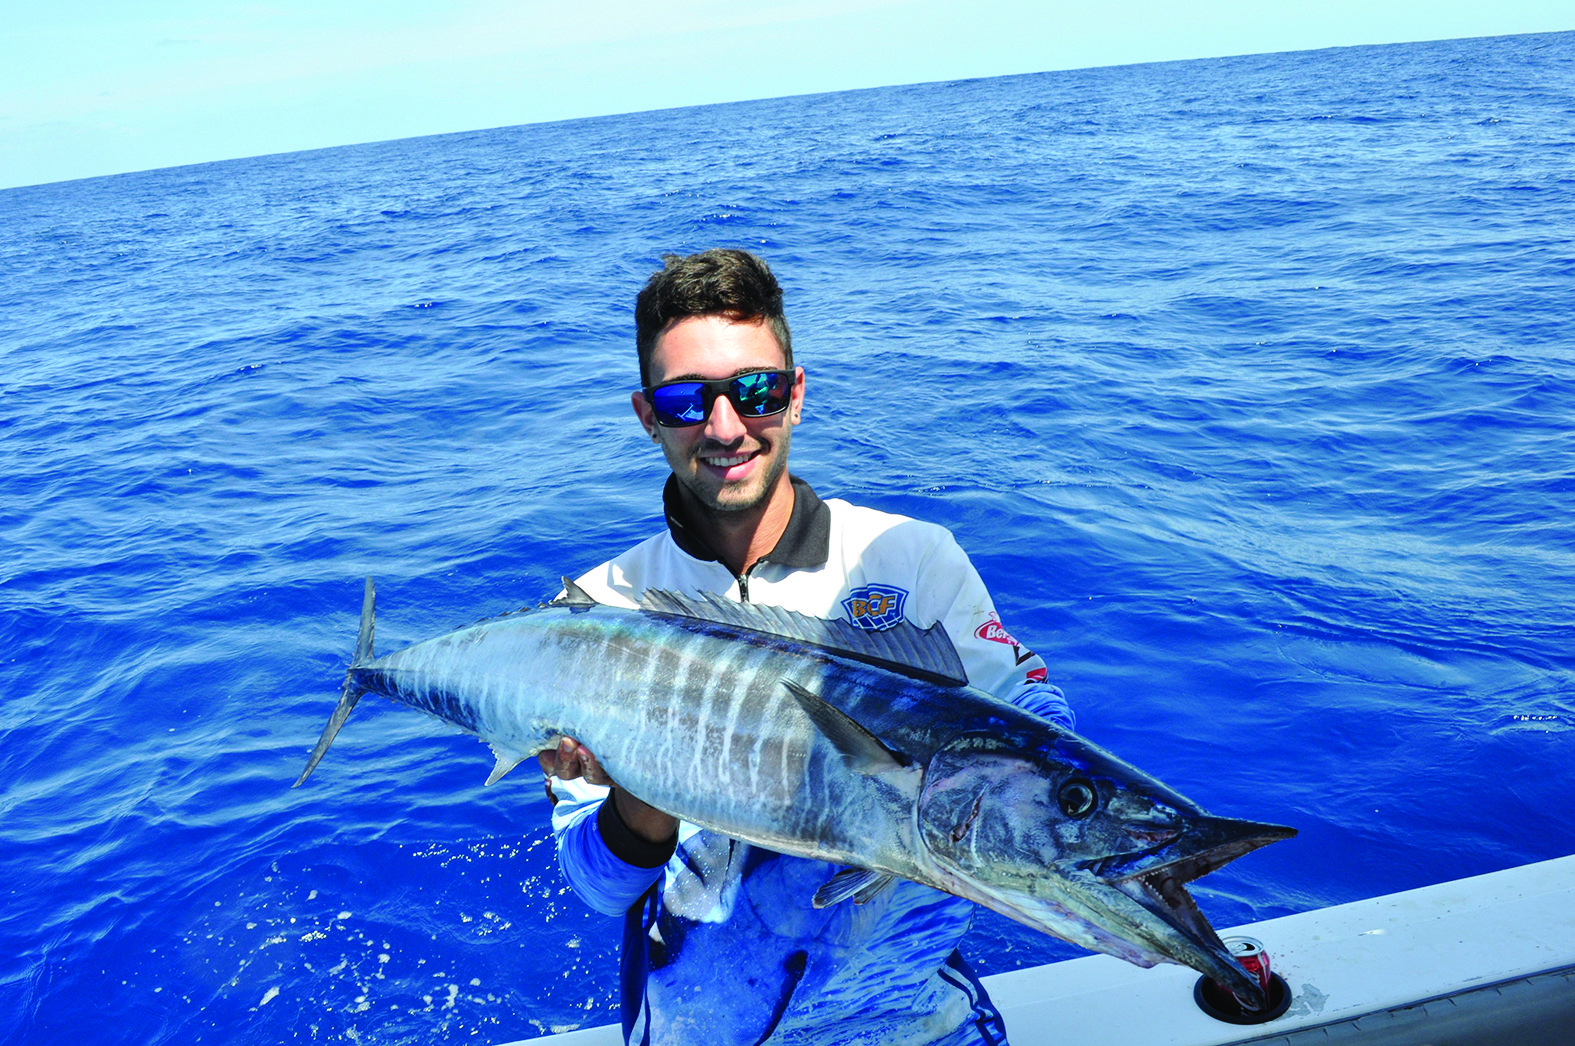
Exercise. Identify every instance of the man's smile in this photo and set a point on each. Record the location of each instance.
(727, 462)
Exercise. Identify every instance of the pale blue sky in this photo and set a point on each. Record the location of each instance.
(90, 87)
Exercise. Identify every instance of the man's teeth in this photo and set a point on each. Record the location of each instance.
(726, 463)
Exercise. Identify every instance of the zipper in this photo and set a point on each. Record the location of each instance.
(743, 580)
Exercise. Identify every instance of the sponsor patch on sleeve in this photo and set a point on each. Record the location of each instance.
(995, 632)
(875, 607)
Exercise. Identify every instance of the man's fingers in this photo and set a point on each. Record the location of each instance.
(592, 768)
(560, 762)
(570, 761)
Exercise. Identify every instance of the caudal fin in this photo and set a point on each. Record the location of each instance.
(351, 693)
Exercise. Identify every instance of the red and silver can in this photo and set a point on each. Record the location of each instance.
(1249, 954)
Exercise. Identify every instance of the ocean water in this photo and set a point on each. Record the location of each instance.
(1247, 383)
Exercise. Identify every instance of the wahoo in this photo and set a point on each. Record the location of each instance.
(819, 739)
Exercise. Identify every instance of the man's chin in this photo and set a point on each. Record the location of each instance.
(748, 495)
(736, 498)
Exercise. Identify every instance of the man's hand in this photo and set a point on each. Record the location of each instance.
(572, 760)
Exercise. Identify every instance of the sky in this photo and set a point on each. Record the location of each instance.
(95, 87)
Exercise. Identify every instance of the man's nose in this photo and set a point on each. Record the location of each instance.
(724, 425)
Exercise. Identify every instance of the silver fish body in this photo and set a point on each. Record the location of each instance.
(814, 739)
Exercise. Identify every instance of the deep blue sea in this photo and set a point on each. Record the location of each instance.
(1249, 385)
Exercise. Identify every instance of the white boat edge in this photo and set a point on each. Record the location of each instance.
(1484, 960)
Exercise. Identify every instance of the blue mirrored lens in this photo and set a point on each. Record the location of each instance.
(759, 394)
(680, 404)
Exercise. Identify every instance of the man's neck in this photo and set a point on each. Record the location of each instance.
(740, 539)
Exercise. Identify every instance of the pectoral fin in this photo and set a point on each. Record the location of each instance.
(863, 750)
(858, 883)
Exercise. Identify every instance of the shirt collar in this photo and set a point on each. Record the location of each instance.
(805, 543)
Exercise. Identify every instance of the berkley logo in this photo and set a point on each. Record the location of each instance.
(995, 632)
(875, 607)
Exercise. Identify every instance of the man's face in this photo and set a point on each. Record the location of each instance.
(728, 463)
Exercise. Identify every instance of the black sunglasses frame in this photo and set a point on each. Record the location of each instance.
(710, 390)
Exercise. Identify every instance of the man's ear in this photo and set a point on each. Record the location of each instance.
(642, 410)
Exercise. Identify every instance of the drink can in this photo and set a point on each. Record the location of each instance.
(1249, 954)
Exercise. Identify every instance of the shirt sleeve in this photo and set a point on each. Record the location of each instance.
(994, 659)
(1046, 701)
(599, 877)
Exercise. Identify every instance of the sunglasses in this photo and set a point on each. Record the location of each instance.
(679, 404)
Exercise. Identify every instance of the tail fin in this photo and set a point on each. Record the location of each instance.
(351, 693)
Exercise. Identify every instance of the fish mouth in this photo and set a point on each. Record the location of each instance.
(1162, 890)
(1159, 873)
(1157, 877)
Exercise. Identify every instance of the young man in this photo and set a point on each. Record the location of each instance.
(722, 944)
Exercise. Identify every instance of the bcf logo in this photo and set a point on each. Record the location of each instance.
(875, 607)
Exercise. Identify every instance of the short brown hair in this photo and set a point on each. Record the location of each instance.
(717, 282)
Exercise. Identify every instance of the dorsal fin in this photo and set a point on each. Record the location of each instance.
(922, 653)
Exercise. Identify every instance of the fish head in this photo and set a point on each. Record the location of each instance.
(1063, 836)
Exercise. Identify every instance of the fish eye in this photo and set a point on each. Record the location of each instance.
(1078, 798)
